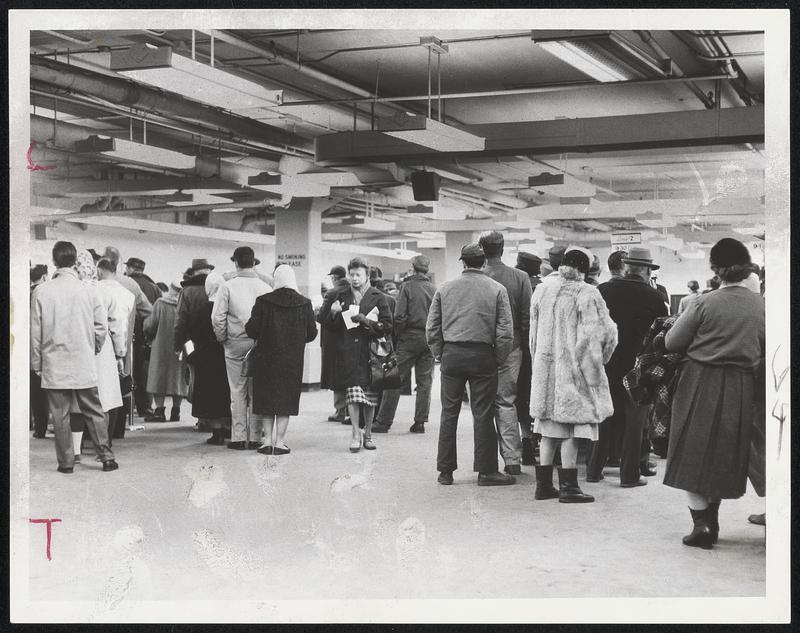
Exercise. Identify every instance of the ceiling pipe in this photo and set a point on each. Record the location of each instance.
(648, 39)
(69, 38)
(245, 204)
(131, 94)
(513, 91)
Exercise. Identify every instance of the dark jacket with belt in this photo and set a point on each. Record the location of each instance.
(331, 342)
(413, 304)
(355, 342)
(633, 306)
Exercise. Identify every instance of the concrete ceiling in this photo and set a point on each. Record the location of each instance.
(700, 161)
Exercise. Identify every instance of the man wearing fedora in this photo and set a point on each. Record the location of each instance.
(633, 305)
(232, 308)
(470, 330)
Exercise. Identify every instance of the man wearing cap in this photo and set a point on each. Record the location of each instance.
(470, 330)
(410, 317)
(531, 265)
(554, 257)
(232, 309)
(633, 306)
(332, 372)
(518, 287)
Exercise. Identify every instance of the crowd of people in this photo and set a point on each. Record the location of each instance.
(549, 358)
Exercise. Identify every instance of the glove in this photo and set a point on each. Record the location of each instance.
(359, 318)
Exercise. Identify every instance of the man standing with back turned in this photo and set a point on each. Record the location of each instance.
(470, 329)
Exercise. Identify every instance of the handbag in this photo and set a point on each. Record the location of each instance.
(249, 362)
(383, 369)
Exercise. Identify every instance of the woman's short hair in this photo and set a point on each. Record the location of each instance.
(733, 274)
(64, 254)
(358, 262)
(693, 285)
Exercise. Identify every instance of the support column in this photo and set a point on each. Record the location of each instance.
(454, 240)
(298, 243)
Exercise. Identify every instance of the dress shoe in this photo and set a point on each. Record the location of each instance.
(278, 450)
(528, 457)
(417, 427)
(368, 443)
(110, 465)
(266, 450)
(156, 416)
(495, 479)
(639, 482)
(592, 479)
(568, 489)
(237, 446)
(252, 445)
(445, 478)
(513, 469)
(648, 469)
(67, 470)
(355, 443)
(216, 438)
(758, 519)
(175, 414)
(38, 436)
(336, 418)
(346, 421)
(380, 428)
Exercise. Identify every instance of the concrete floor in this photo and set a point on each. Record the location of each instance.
(184, 520)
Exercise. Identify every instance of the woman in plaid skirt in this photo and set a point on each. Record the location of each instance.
(360, 396)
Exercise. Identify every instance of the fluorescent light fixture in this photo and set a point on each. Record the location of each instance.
(130, 152)
(226, 210)
(159, 67)
(751, 229)
(199, 197)
(603, 55)
(368, 223)
(429, 133)
(301, 185)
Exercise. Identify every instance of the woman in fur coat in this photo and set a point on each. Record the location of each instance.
(572, 336)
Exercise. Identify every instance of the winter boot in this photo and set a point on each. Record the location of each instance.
(528, 458)
(544, 483)
(217, 438)
(701, 535)
(569, 491)
(157, 416)
(713, 520)
(175, 414)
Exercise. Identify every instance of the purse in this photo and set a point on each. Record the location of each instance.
(249, 362)
(383, 369)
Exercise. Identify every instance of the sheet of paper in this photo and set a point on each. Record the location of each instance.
(348, 314)
(372, 315)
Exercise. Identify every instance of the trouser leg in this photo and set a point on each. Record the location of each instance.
(451, 391)
(505, 412)
(423, 374)
(523, 400)
(58, 401)
(600, 449)
(140, 396)
(339, 402)
(38, 402)
(483, 393)
(234, 357)
(635, 417)
(96, 424)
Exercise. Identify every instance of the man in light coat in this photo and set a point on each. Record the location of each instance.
(470, 330)
(232, 308)
(68, 328)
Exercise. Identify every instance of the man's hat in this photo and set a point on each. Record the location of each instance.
(338, 271)
(135, 262)
(472, 250)
(640, 257)
(244, 256)
(421, 263)
(555, 255)
(199, 264)
(529, 262)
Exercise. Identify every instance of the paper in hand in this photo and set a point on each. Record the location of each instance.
(372, 315)
(347, 316)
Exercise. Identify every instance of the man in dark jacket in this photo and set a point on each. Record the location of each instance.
(531, 265)
(410, 317)
(518, 287)
(633, 306)
(470, 330)
(331, 342)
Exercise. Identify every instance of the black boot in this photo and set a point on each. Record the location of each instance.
(713, 520)
(544, 483)
(217, 438)
(528, 458)
(701, 535)
(569, 491)
(175, 414)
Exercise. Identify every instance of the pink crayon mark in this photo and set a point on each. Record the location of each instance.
(49, 523)
(33, 166)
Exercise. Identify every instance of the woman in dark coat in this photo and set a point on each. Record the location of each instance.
(331, 342)
(210, 394)
(722, 336)
(281, 322)
(361, 397)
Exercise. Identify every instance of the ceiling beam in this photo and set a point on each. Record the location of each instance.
(596, 134)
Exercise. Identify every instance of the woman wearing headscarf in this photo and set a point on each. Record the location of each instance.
(211, 395)
(106, 361)
(572, 336)
(355, 303)
(281, 322)
(165, 374)
(722, 336)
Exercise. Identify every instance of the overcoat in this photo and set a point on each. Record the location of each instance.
(331, 342)
(282, 322)
(165, 375)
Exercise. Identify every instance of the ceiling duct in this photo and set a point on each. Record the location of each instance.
(427, 132)
(603, 55)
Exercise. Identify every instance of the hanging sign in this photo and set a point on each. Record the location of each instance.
(622, 240)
